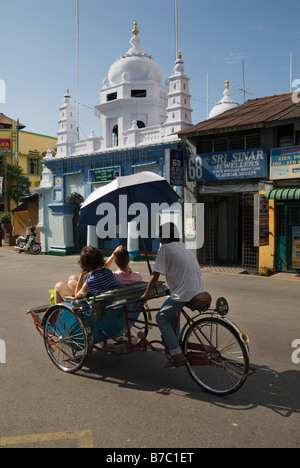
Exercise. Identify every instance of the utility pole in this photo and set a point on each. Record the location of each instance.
(77, 17)
(6, 205)
(177, 33)
(17, 151)
(291, 72)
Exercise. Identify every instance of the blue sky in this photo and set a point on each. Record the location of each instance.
(38, 50)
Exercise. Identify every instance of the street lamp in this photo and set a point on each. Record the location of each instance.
(16, 158)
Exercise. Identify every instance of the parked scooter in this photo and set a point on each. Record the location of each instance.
(28, 242)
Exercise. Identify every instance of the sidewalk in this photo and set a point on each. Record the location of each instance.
(6, 247)
(142, 265)
(286, 276)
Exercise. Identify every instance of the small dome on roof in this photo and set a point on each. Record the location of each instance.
(135, 65)
(225, 104)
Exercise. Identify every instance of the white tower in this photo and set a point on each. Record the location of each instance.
(179, 111)
(67, 129)
(133, 95)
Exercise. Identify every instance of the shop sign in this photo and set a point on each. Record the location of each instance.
(105, 174)
(296, 248)
(228, 165)
(5, 145)
(285, 163)
(261, 221)
(176, 168)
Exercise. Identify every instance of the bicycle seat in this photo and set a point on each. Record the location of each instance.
(200, 302)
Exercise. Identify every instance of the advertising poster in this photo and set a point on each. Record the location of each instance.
(5, 145)
(285, 163)
(296, 248)
(261, 221)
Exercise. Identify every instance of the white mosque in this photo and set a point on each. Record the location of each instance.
(136, 106)
(140, 116)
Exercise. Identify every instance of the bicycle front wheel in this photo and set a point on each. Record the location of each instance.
(218, 358)
(68, 339)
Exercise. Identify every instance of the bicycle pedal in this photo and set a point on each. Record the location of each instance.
(111, 346)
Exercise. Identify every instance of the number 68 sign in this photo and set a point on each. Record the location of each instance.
(195, 170)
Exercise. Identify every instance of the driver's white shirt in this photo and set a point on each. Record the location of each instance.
(182, 271)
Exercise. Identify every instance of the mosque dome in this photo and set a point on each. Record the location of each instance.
(225, 104)
(135, 65)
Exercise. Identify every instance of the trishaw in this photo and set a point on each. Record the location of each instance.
(217, 350)
(118, 322)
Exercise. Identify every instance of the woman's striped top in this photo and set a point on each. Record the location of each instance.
(101, 281)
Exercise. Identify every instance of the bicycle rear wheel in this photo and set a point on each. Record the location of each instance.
(218, 358)
(68, 339)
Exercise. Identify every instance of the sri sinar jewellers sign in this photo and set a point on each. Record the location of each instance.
(229, 165)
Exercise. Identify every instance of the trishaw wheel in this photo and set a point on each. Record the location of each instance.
(218, 358)
(68, 339)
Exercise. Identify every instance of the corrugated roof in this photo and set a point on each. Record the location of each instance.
(252, 114)
(7, 121)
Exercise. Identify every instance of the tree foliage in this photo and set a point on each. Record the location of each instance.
(17, 185)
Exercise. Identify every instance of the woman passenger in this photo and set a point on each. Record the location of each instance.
(94, 278)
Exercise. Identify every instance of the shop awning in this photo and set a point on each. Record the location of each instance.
(34, 198)
(283, 194)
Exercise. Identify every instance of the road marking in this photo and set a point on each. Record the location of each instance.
(85, 438)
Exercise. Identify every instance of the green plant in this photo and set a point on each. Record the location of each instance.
(5, 218)
(17, 184)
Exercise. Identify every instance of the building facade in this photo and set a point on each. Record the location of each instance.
(26, 149)
(239, 167)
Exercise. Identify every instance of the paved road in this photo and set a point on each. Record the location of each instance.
(133, 401)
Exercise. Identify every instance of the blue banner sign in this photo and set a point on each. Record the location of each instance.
(228, 165)
(285, 163)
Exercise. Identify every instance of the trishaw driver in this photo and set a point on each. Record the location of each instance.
(185, 281)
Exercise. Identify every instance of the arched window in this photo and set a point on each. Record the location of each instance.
(140, 124)
(115, 136)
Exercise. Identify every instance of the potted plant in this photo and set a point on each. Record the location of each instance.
(5, 220)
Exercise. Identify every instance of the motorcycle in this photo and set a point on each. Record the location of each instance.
(28, 243)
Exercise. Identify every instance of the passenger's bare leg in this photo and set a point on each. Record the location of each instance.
(62, 291)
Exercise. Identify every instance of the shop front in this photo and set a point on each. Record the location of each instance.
(227, 185)
(285, 172)
(287, 228)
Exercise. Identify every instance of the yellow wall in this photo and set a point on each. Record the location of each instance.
(31, 146)
(267, 253)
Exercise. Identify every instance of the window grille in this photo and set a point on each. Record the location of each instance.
(250, 253)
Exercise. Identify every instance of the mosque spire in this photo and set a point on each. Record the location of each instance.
(135, 30)
(225, 104)
(135, 42)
